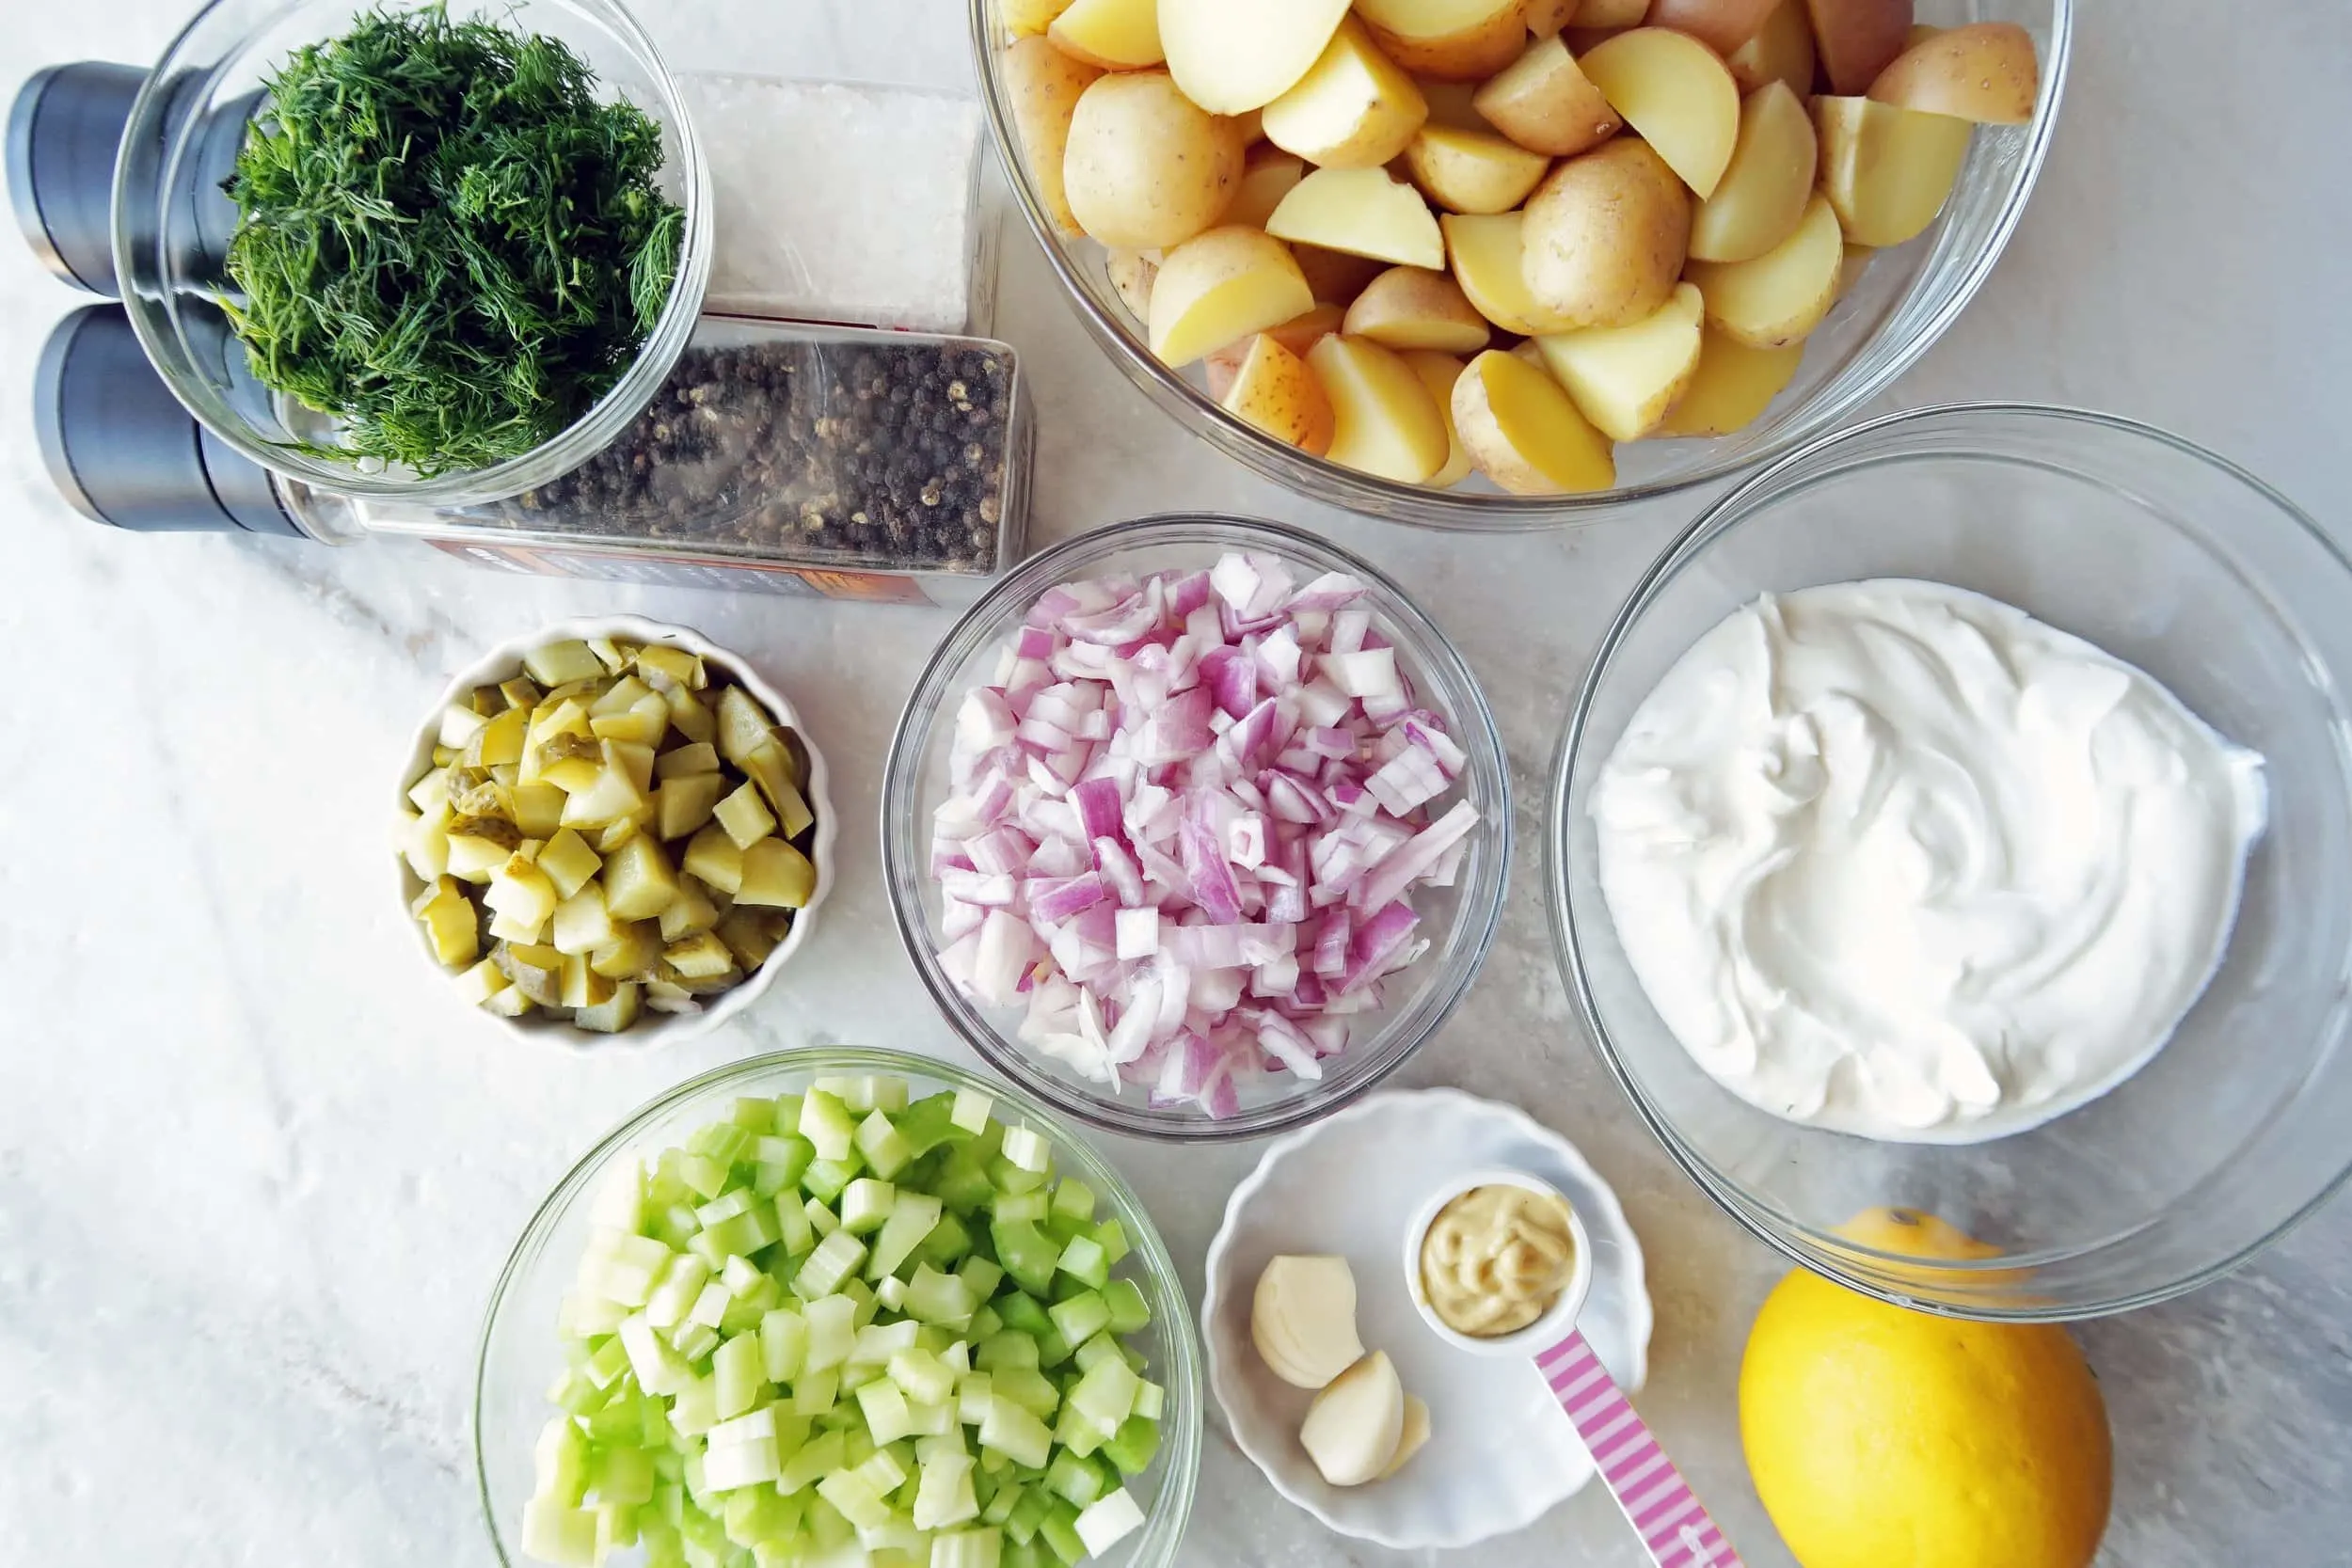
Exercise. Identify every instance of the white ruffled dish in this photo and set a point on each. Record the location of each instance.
(1499, 1452)
(652, 1029)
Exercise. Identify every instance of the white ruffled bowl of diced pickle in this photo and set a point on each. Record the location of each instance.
(612, 827)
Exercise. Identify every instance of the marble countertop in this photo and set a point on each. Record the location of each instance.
(255, 1177)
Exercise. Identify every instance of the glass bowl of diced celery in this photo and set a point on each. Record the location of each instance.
(839, 1306)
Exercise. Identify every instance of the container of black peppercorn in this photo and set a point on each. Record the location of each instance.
(888, 466)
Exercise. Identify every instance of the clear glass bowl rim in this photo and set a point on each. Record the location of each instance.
(1835, 1257)
(1477, 511)
(568, 449)
(904, 869)
(1171, 1511)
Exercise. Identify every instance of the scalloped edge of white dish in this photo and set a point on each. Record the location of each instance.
(651, 1030)
(1619, 1278)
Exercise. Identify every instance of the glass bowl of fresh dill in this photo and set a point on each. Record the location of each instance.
(434, 252)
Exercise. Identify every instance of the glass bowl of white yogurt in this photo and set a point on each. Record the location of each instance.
(1947, 853)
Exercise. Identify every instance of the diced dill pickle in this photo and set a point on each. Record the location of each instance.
(538, 808)
(499, 741)
(742, 724)
(482, 982)
(506, 774)
(637, 879)
(633, 951)
(664, 997)
(479, 845)
(459, 724)
(424, 841)
(537, 972)
(612, 656)
(583, 923)
(568, 862)
(510, 1003)
(645, 720)
(772, 768)
(583, 987)
(452, 928)
(636, 759)
(686, 761)
(744, 816)
(559, 662)
(437, 887)
(622, 695)
(614, 1014)
(485, 701)
(444, 756)
(612, 796)
(700, 957)
(431, 793)
(690, 911)
(690, 715)
(683, 804)
(521, 891)
(750, 934)
(522, 692)
(776, 874)
(713, 857)
(617, 833)
(487, 798)
(681, 666)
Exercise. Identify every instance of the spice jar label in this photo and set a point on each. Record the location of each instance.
(686, 571)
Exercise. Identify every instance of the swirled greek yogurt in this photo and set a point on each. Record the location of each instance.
(1895, 859)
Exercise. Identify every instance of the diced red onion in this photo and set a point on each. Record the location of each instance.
(1180, 791)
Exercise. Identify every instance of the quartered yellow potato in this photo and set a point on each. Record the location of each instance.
(1781, 51)
(1780, 297)
(660, 797)
(1677, 96)
(1045, 85)
(1887, 171)
(1544, 101)
(1354, 109)
(1414, 307)
(1383, 420)
(1472, 171)
(1625, 378)
(1985, 73)
(1220, 287)
(1523, 432)
(1273, 389)
(1363, 212)
(1457, 40)
(1761, 197)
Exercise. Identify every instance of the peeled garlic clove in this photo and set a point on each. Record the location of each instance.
(1356, 1423)
(1408, 1441)
(1303, 1318)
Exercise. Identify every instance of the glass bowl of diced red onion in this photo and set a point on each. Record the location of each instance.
(1196, 827)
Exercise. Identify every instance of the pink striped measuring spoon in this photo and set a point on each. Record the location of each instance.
(1659, 1503)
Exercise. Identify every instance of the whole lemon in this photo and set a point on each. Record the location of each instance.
(1881, 1438)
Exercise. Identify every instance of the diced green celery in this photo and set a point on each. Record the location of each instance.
(1021, 1523)
(617, 1527)
(753, 1116)
(826, 1123)
(821, 1220)
(622, 1267)
(866, 1204)
(725, 1206)
(820, 1457)
(1076, 1431)
(855, 1093)
(867, 1303)
(1111, 1237)
(913, 1216)
(560, 1533)
(710, 1304)
(1016, 1433)
(924, 1378)
(832, 1332)
(746, 1233)
(1107, 1394)
(783, 1344)
(756, 1513)
(892, 1293)
(884, 1469)
(980, 1547)
(1028, 1149)
(929, 1123)
(1010, 1178)
(620, 1201)
(828, 1178)
(606, 1363)
(740, 1277)
(707, 1247)
(722, 1140)
(1060, 1534)
(948, 1244)
(878, 1342)
(1103, 1347)
(1026, 1254)
(1073, 1199)
(1007, 1348)
(694, 1341)
(696, 1410)
(704, 1176)
(957, 1357)
(985, 1323)
(744, 1312)
(1110, 1519)
(932, 1420)
(856, 1499)
(737, 1465)
(973, 1390)
(659, 1367)
(972, 1110)
(1082, 1259)
(1133, 1446)
(940, 1298)
(788, 1117)
(739, 1378)
(676, 1224)
(560, 1462)
(1031, 1208)
(1130, 1312)
(620, 1423)
(1002, 1502)
(584, 1315)
(885, 1405)
(1052, 1349)
(1151, 1400)
(963, 1183)
(815, 1392)
(782, 1158)
(793, 1231)
(1075, 1479)
(1022, 1312)
(1028, 1388)
(945, 1496)
(1080, 1318)
(575, 1393)
(834, 1260)
(885, 1151)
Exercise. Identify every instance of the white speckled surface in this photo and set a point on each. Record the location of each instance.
(254, 1182)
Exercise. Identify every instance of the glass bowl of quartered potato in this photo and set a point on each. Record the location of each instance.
(1499, 264)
